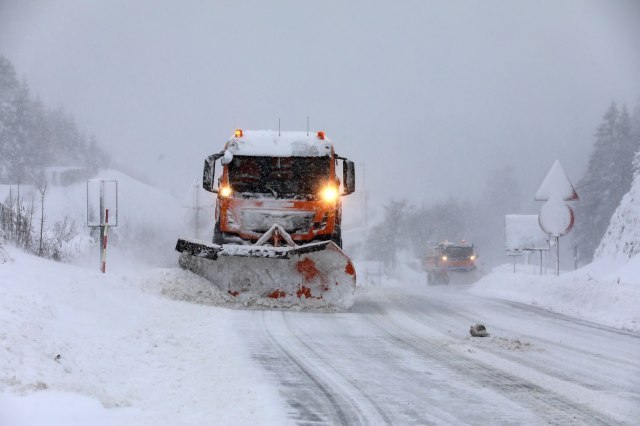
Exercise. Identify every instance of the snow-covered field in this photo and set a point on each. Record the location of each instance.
(147, 347)
(78, 347)
(145, 344)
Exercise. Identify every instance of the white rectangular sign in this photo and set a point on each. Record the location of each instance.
(523, 233)
(102, 196)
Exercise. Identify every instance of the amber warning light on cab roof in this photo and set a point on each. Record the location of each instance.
(238, 133)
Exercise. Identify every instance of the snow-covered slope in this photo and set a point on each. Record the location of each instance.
(139, 205)
(78, 347)
(621, 241)
(149, 220)
(606, 291)
(137, 202)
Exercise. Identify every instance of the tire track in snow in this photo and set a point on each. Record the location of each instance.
(382, 416)
(450, 317)
(550, 406)
(562, 317)
(312, 399)
(406, 389)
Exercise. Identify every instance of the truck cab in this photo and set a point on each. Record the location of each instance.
(446, 257)
(285, 178)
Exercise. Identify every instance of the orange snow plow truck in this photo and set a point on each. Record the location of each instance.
(277, 234)
(445, 259)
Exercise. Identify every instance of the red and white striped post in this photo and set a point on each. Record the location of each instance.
(103, 243)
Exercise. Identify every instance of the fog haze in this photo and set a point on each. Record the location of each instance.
(430, 96)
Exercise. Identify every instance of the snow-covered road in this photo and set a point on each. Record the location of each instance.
(405, 356)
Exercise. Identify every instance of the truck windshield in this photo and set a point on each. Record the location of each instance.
(459, 252)
(279, 176)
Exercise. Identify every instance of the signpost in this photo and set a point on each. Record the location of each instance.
(523, 234)
(102, 211)
(556, 217)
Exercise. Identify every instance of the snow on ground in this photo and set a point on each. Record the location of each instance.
(606, 291)
(148, 218)
(79, 347)
(602, 292)
(596, 292)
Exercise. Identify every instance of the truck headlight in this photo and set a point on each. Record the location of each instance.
(330, 193)
(225, 191)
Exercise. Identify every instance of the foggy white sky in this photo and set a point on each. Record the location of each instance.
(432, 96)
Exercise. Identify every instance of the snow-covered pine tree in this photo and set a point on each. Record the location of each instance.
(9, 91)
(607, 179)
(33, 137)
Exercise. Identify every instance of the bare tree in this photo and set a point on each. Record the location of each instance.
(42, 189)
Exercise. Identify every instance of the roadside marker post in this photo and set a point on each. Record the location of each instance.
(102, 205)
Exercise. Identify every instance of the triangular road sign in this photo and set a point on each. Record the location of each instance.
(557, 185)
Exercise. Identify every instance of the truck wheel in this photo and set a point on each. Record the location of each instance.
(430, 278)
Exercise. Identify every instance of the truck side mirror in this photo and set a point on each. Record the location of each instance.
(348, 176)
(208, 172)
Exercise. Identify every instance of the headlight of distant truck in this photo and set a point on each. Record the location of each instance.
(472, 257)
(330, 193)
(444, 258)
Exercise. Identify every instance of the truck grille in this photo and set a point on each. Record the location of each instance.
(262, 220)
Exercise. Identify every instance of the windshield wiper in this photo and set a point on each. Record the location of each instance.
(275, 194)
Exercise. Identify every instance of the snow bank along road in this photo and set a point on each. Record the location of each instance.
(405, 357)
(78, 347)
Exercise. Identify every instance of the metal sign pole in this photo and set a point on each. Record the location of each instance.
(103, 243)
(101, 221)
(558, 256)
(196, 190)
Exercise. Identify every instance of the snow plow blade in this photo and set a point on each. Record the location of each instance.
(314, 275)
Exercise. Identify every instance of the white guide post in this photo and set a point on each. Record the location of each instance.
(102, 212)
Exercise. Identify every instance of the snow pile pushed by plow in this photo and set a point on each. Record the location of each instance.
(312, 276)
(186, 286)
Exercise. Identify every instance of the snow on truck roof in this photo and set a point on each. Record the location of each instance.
(270, 143)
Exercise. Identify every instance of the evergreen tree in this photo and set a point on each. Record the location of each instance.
(32, 137)
(9, 91)
(608, 177)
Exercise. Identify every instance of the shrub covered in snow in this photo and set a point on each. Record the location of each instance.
(4, 256)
